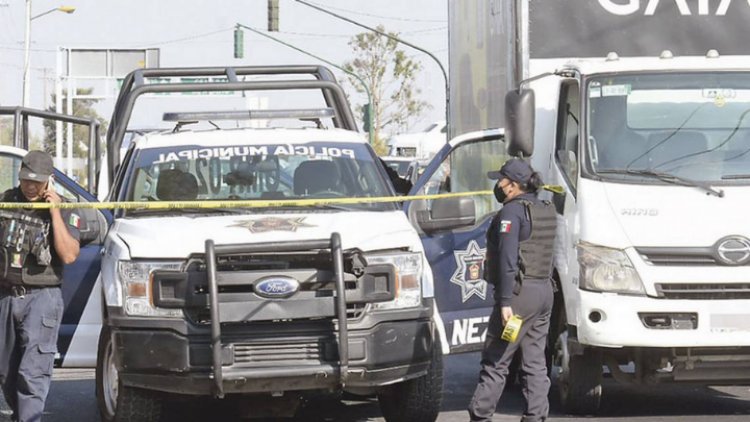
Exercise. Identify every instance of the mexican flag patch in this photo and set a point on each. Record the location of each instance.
(75, 221)
(505, 226)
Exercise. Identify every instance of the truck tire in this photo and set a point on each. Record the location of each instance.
(118, 403)
(580, 382)
(416, 400)
(107, 381)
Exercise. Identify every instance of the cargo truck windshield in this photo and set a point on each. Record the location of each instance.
(314, 170)
(681, 126)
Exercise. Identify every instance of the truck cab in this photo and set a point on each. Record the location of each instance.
(652, 255)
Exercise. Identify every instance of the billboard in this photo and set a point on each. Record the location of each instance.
(592, 28)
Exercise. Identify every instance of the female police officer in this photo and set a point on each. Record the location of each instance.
(519, 262)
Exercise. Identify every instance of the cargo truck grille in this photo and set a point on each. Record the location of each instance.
(682, 257)
(703, 291)
(666, 258)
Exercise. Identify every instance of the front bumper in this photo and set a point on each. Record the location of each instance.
(165, 360)
(615, 321)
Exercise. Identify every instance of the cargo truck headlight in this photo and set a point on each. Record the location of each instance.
(136, 278)
(408, 279)
(607, 270)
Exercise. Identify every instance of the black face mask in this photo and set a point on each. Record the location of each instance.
(499, 194)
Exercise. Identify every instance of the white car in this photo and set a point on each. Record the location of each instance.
(424, 144)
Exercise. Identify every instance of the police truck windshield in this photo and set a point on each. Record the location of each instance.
(694, 126)
(258, 172)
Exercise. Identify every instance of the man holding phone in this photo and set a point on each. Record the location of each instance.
(35, 244)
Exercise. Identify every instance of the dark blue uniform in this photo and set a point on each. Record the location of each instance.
(31, 308)
(531, 300)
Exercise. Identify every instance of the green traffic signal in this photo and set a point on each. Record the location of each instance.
(239, 43)
(366, 117)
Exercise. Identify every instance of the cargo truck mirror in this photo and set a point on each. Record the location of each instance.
(519, 122)
(446, 214)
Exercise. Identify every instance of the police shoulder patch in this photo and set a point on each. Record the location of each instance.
(74, 220)
(505, 226)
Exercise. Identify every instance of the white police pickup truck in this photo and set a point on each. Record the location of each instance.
(273, 302)
(451, 231)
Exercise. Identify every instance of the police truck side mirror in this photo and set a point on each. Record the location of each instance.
(519, 122)
(447, 214)
(93, 226)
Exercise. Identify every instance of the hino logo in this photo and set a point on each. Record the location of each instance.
(733, 250)
(630, 7)
(276, 287)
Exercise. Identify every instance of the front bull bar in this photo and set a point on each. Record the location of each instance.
(333, 244)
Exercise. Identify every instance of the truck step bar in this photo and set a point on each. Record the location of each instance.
(213, 251)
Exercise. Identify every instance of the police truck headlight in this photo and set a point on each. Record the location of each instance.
(408, 279)
(136, 279)
(607, 270)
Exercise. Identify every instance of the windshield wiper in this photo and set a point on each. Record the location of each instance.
(669, 178)
(191, 210)
(735, 176)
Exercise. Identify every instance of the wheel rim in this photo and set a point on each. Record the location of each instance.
(110, 380)
(561, 363)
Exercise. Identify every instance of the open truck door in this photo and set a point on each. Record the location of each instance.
(453, 232)
(79, 331)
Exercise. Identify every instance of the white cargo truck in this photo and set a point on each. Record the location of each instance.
(653, 150)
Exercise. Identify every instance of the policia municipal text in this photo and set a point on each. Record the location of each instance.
(518, 263)
(34, 246)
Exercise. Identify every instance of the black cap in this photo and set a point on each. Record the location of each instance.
(514, 169)
(36, 166)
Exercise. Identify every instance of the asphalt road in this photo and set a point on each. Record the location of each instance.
(72, 399)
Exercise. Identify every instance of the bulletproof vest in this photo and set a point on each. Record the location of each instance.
(26, 247)
(536, 253)
(490, 256)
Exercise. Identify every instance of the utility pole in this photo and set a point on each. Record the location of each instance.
(26, 40)
(399, 40)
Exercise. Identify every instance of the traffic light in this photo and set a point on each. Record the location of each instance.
(273, 15)
(366, 117)
(239, 43)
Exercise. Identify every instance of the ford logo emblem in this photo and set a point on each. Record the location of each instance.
(276, 287)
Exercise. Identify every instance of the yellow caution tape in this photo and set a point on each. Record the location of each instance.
(209, 204)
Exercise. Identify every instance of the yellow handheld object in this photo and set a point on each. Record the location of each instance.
(512, 328)
(556, 189)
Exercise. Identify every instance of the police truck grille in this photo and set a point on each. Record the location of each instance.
(312, 352)
(703, 291)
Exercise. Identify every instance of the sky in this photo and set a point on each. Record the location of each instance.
(200, 33)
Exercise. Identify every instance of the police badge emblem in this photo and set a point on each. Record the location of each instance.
(270, 224)
(468, 274)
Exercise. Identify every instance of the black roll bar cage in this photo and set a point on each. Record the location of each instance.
(134, 85)
(21, 134)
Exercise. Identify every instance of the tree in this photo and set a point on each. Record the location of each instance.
(390, 75)
(82, 107)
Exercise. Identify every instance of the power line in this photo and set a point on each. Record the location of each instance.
(356, 12)
(188, 38)
(312, 34)
(31, 49)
